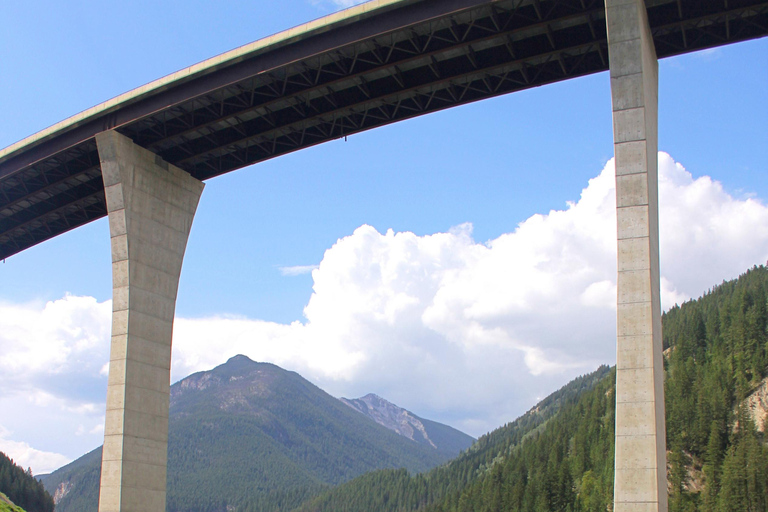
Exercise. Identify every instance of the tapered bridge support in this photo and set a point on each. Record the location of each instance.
(640, 483)
(151, 205)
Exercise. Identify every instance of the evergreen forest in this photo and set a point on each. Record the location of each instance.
(250, 436)
(22, 488)
(558, 457)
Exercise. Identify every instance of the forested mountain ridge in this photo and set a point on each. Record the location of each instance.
(717, 350)
(252, 436)
(397, 491)
(715, 358)
(757, 406)
(440, 437)
(21, 488)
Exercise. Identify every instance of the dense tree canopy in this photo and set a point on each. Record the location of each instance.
(519, 464)
(717, 349)
(22, 488)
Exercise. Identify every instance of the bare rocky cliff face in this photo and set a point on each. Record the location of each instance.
(391, 416)
(430, 434)
(757, 405)
(233, 392)
(61, 491)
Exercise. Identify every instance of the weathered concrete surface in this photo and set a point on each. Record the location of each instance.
(151, 205)
(640, 466)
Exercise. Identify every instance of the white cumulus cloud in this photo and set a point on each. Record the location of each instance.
(460, 331)
(446, 325)
(52, 355)
(297, 270)
(24, 455)
(64, 336)
(336, 4)
(347, 3)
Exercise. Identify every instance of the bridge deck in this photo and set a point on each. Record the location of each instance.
(368, 66)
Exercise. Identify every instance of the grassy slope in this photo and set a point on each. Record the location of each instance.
(7, 505)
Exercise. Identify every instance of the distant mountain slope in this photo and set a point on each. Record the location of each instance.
(255, 437)
(397, 491)
(430, 433)
(21, 488)
(81, 476)
(559, 455)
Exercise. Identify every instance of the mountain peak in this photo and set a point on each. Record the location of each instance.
(374, 400)
(239, 359)
(425, 432)
(245, 422)
(389, 415)
(242, 365)
(239, 377)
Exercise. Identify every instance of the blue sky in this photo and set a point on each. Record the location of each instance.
(508, 167)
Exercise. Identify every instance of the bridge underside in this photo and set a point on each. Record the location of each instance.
(417, 57)
(143, 159)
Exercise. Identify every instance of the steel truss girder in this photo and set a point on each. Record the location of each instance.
(476, 49)
(360, 114)
(288, 107)
(52, 223)
(347, 62)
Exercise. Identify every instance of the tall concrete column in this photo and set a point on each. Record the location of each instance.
(151, 205)
(640, 465)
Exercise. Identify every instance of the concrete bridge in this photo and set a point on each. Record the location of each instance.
(141, 159)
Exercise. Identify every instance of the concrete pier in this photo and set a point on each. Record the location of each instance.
(151, 205)
(640, 465)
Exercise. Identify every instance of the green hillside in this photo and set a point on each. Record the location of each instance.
(717, 350)
(78, 482)
(255, 437)
(22, 489)
(396, 491)
(715, 358)
(7, 505)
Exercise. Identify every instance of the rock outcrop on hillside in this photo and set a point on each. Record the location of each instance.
(438, 436)
(757, 406)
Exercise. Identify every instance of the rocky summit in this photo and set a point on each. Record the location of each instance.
(405, 423)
